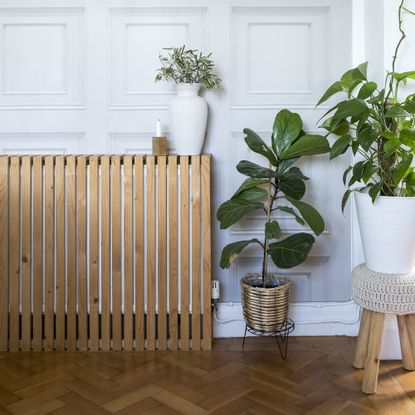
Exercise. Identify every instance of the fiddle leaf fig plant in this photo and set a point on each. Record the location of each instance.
(276, 186)
(378, 126)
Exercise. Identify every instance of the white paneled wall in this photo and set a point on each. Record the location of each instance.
(77, 76)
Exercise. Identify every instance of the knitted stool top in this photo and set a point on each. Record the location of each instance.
(384, 293)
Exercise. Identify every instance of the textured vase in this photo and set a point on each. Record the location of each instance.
(387, 228)
(188, 117)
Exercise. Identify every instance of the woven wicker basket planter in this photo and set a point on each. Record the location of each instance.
(265, 309)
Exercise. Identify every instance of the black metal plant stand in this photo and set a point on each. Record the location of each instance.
(281, 335)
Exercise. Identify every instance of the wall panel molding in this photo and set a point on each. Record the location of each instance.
(290, 70)
(137, 34)
(42, 58)
(42, 142)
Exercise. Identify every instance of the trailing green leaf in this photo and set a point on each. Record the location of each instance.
(340, 146)
(345, 198)
(367, 90)
(402, 169)
(332, 90)
(375, 190)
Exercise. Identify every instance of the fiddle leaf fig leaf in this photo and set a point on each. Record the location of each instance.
(307, 145)
(272, 230)
(291, 211)
(231, 251)
(256, 144)
(292, 186)
(254, 193)
(249, 184)
(309, 214)
(292, 250)
(287, 128)
(295, 171)
(233, 210)
(254, 170)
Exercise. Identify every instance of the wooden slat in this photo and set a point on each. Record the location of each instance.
(128, 253)
(105, 253)
(37, 252)
(139, 252)
(162, 253)
(116, 251)
(71, 251)
(49, 253)
(4, 252)
(195, 162)
(26, 253)
(93, 254)
(151, 253)
(184, 253)
(206, 244)
(81, 197)
(14, 253)
(173, 252)
(60, 251)
(406, 349)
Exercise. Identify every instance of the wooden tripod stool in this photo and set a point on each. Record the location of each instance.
(369, 342)
(379, 294)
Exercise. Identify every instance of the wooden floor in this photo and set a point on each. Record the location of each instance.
(316, 378)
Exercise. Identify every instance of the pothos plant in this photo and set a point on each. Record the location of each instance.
(278, 186)
(182, 65)
(378, 126)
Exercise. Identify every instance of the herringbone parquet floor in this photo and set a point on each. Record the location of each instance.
(315, 379)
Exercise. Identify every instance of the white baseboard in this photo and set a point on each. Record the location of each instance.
(312, 319)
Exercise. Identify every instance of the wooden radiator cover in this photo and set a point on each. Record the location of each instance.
(105, 253)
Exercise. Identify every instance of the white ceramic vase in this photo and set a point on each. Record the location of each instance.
(387, 228)
(188, 118)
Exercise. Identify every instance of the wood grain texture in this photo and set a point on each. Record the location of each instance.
(105, 254)
(60, 252)
(4, 253)
(116, 251)
(71, 251)
(162, 251)
(362, 340)
(14, 253)
(93, 253)
(151, 252)
(26, 259)
(49, 253)
(81, 206)
(370, 378)
(317, 378)
(139, 251)
(196, 248)
(207, 248)
(173, 253)
(128, 253)
(406, 349)
(184, 253)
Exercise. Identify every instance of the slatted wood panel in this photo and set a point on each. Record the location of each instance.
(105, 253)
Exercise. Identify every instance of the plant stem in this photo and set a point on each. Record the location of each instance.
(266, 241)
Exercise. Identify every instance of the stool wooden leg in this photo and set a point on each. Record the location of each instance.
(407, 350)
(410, 327)
(361, 344)
(370, 378)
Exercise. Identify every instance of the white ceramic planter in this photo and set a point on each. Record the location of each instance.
(188, 117)
(387, 228)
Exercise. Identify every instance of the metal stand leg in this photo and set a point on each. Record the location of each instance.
(243, 341)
